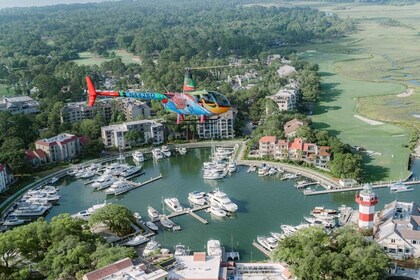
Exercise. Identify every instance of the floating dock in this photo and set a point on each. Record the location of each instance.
(204, 221)
(135, 185)
(301, 186)
(261, 248)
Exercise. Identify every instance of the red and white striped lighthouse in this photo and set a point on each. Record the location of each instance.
(367, 200)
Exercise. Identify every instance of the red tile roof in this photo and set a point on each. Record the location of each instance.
(266, 139)
(40, 153)
(297, 144)
(324, 151)
(109, 269)
(307, 146)
(292, 126)
(30, 154)
(283, 143)
(199, 257)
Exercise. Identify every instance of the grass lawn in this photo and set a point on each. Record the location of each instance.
(4, 92)
(88, 58)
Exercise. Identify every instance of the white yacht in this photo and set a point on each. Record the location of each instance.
(216, 165)
(288, 230)
(165, 151)
(173, 204)
(85, 214)
(263, 169)
(130, 171)
(116, 168)
(232, 166)
(214, 248)
(153, 213)
(272, 171)
(289, 176)
(35, 210)
(85, 174)
(39, 195)
(399, 187)
(157, 154)
(277, 235)
(137, 240)
(138, 156)
(198, 198)
(151, 247)
(53, 180)
(180, 250)
(182, 151)
(103, 182)
(217, 211)
(166, 223)
(13, 221)
(219, 198)
(269, 243)
(211, 174)
(118, 187)
(152, 226)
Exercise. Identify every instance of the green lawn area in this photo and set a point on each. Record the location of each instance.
(88, 58)
(4, 92)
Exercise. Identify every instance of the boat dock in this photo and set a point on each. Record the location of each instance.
(261, 248)
(189, 211)
(304, 185)
(204, 221)
(138, 185)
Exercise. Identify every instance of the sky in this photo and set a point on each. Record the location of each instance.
(31, 3)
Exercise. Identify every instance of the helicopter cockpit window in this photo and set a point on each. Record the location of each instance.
(219, 98)
(207, 98)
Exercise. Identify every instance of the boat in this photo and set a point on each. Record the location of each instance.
(34, 210)
(173, 204)
(176, 228)
(138, 156)
(289, 176)
(309, 220)
(288, 230)
(118, 187)
(211, 174)
(180, 250)
(197, 197)
(152, 226)
(214, 248)
(321, 210)
(157, 154)
(215, 165)
(153, 213)
(165, 151)
(217, 211)
(272, 171)
(277, 235)
(130, 171)
(269, 243)
(182, 150)
(85, 174)
(13, 221)
(85, 214)
(399, 187)
(232, 166)
(94, 166)
(151, 247)
(53, 180)
(137, 216)
(251, 168)
(103, 182)
(220, 199)
(263, 169)
(137, 240)
(166, 223)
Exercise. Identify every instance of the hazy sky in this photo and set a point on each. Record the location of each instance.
(30, 3)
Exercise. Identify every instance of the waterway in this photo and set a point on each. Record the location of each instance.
(264, 202)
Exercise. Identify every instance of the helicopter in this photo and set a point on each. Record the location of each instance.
(201, 103)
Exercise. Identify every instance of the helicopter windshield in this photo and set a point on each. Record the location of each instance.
(218, 98)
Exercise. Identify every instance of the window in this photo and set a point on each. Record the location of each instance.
(414, 241)
(392, 240)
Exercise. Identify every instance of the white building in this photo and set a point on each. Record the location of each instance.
(285, 98)
(398, 229)
(221, 126)
(6, 177)
(198, 267)
(285, 71)
(114, 135)
(261, 271)
(64, 146)
(19, 104)
(126, 270)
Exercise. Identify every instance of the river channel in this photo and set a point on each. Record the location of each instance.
(264, 202)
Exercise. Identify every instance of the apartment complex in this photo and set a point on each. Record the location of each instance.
(78, 111)
(114, 135)
(61, 147)
(6, 177)
(221, 126)
(19, 105)
(286, 98)
(297, 149)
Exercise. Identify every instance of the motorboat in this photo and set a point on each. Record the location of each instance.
(272, 171)
(48, 189)
(39, 195)
(232, 166)
(263, 169)
(182, 151)
(153, 213)
(157, 154)
(320, 210)
(53, 180)
(85, 214)
(118, 187)
(13, 221)
(301, 226)
(217, 211)
(198, 198)
(103, 182)
(137, 216)
(215, 165)
(269, 243)
(94, 166)
(165, 151)
(277, 235)
(180, 250)
(214, 248)
(251, 168)
(152, 226)
(34, 210)
(166, 223)
(116, 168)
(220, 199)
(176, 228)
(173, 204)
(130, 171)
(309, 220)
(288, 230)
(289, 176)
(138, 156)
(85, 174)
(211, 174)
(399, 187)
(137, 240)
(151, 247)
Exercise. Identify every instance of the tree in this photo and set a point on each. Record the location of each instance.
(93, 147)
(346, 165)
(90, 128)
(117, 217)
(134, 136)
(105, 254)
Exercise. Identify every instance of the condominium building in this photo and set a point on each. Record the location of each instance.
(267, 145)
(6, 177)
(221, 126)
(285, 99)
(19, 104)
(61, 147)
(114, 135)
(134, 109)
(291, 127)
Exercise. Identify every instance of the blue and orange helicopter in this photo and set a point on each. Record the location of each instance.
(201, 103)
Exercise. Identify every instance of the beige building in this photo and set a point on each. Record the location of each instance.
(126, 270)
(114, 135)
(267, 145)
(198, 267)
(291, 127)
(61, 147)
(221, 126)
(19, 104)
(6, 177)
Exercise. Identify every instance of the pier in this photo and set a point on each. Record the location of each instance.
(261, 248)
(135, 185)
(304, 185)
(204, 221)
(189, 211)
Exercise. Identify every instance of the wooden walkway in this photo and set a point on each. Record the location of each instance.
(189, 211)
(301, 186)
(261, 248)
(135, 185)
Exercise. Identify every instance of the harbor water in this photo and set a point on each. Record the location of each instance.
(265, 203)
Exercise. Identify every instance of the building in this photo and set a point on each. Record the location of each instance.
(220, 126)
(125, 269)
(367, 200)
(285, 71)
(397, 229)
(291, 127)
(36, 157)
(324, 156)
(273, 271)
(134, 109)
(285, 98)
(267, 145)
(19, 104)
(198, 267)
(6, 177)
(114, 135)
(61, 147)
